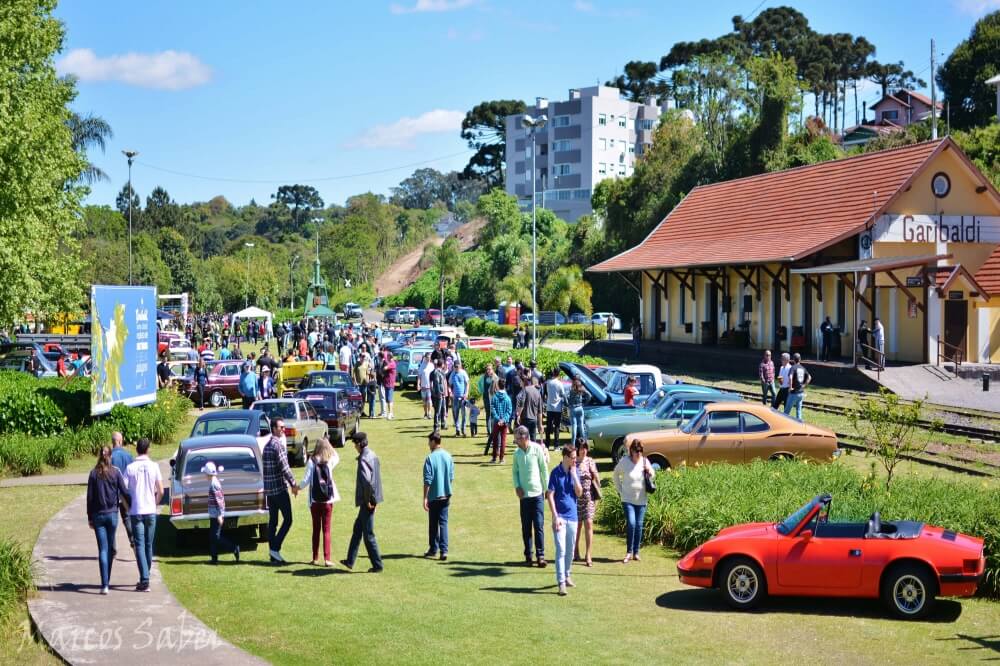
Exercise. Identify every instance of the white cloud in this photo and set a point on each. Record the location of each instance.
(401, 133)
(431, 6)
(165, 70)
(586, 7)
(977, 7)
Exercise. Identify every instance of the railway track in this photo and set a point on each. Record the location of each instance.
(936, 460)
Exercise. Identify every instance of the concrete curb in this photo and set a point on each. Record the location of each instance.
(125, 627)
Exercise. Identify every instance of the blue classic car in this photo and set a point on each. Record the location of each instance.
(608, 387)
(608, 433)
(408, 363)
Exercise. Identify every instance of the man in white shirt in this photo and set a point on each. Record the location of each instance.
(784, 381)
(555, 394)
(424, 373)
(145, 487)
(345, 357)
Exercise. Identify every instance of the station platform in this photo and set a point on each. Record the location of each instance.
(940, 386)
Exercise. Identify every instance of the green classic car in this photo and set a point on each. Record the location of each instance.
(607, 432)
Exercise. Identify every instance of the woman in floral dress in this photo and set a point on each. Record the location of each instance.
(586, 470)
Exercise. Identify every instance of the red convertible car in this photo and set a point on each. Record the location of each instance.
(905, 563)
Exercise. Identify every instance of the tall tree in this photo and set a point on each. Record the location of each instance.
(176, 255)
(122, 204)
(893, 75)
(963, 76)
(39, 202)
(566, 288)
(448, 262)
(422, 190)
(484, 129)
(640, 80)
(161, 211)
(301, 201)
(89, 131)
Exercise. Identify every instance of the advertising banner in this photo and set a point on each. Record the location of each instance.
(123, 346)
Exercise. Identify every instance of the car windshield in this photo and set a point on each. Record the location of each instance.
(321, 401)
(665, 406)
(227, 459)
(233, 426)
(326, 380)
(788, 524)
(281, 410)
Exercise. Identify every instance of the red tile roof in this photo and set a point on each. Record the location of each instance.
(988, 275)
(778, 216)
(923, 98)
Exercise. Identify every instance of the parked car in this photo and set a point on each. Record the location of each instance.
(527, 318)
(905, 563)
(406, 315)
(432, 317)
(649, 376)
(551, 318)
(392, 315)
(579, 318)
(601, 319)
(303, 427)
(418, 316)
(478, 314)
(652, 402)
(238, 459)
(493, 316)
(611, 392)
(223, 383)
(17, 357)
(407, 363)
(460, 315)
(342, 416)
(736, 432)
(337, 379)
(291, 374)
(353, 311)
(234, 422)
(608, 432)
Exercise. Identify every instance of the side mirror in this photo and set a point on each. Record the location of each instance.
(806, 534)
(173, 462)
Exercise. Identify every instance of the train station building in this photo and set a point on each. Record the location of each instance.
(910, 236)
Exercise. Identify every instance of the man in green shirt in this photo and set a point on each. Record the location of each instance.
(531, 478)
(439, 474)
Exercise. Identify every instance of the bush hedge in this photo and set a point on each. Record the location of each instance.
(564, 332)
(474, 361)
(42, 406)
(16, 576)
(693, 503)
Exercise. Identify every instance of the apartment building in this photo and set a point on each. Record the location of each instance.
(593, 135)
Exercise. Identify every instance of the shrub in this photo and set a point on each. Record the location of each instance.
(42, 406)
(16, 575)
(693, 503)
(564, 332)
(474, 360)
(30, 414)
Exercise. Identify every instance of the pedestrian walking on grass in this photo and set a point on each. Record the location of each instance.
(459, 385)
(367, 497)
(531, 478)
(564, 491)
(629, 478)
(473, 417)
(554, 394)
(439, 474)
(784, 377)
(322, 494)
(765, 372)
(590, 481)
(529, 407)
(217, 514)
(388, 382)
(145, 486)
(424, 384)
(439, 394)
(201, 381)
(502, 411)
(105, 489)
(277, 474)
(121, 459)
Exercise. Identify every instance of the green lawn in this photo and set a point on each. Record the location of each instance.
(472, 608)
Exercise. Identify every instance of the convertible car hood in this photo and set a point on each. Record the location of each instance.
(640, 418)
(746, 530)
(590, 381)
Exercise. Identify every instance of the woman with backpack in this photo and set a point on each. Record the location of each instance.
(322, 493)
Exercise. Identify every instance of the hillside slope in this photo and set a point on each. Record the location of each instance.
(405, 270)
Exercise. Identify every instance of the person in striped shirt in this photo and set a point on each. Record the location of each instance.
(276, 474)
(217, 513)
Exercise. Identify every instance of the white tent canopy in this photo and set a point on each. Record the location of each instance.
(253, 312)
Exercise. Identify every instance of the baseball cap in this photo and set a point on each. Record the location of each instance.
(211, 469)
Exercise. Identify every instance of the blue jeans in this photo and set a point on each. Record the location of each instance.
(144, 531)
(280, 503)
(795, 402)
(372, 392)
(364, 528)
(634, 515)
(532, 522)
(440, 412)
(565, 540)
(577, 425)
(438, 531)
(458, 410)
(105, 525)
(217, 538)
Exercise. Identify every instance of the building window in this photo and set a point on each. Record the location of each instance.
(581, 194)
(646, 124)
(561, 170)
(621, 169)
(621, 121)
(527, 152)
(603, 143)
(564, 195)
(560, 121)
(602, 119)
(631, 149)
(543, 149)
(527, 176)
(892, 114)
(560, 146)
(602, 169)
(639, 149)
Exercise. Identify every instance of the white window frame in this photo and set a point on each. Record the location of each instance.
(602, 119)
(622, 121)
(602, 169)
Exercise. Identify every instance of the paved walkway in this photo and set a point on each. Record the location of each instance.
(913, 382)
(125, 627)
(46, 480)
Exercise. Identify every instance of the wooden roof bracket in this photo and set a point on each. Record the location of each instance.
(683, 279)
(660, 281)
(629, 283)
(902, 288)
(849, 283)
(748, 277)
(777, 278)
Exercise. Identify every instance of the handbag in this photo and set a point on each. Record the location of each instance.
(595, 485)
(650, 482)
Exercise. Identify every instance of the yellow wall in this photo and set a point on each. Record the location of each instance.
(961, 200)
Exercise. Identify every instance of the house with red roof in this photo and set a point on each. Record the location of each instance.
(910, 236)
(904, 107)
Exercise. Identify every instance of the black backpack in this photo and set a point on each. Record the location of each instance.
(321, 488)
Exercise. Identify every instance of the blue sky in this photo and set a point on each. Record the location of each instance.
(353, 96)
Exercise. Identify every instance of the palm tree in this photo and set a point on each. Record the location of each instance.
(448, 260)
(516, 288)
(566, 287)
(87, 131)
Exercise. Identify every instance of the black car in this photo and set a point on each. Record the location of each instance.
(332, 405)
(234, 422)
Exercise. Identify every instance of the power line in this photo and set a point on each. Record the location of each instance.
(301, 180)
(759, 5)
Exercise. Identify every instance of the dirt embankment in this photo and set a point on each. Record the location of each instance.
(405, 270)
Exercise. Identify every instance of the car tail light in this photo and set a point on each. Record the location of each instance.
(970, 566)
(290, 432)
(261, 504)
(177, 505)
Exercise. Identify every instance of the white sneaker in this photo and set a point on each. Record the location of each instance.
(104, 590)
(275, 555)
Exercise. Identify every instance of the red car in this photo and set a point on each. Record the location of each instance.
(432, 317)
(906, 564)
(223, 383)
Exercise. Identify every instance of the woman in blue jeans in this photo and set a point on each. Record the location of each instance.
(105, 489)
(575, 400)
(630, 481)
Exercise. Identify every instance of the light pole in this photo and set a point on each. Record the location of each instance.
(533, 125)
(130, 155)
(291, 279)
(249, 247)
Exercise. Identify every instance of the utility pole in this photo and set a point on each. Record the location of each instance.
(130, 155)
(933, 96)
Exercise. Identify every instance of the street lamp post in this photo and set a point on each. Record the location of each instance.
(249, 247)
(533, 125)
(291, 279)
(130, 155)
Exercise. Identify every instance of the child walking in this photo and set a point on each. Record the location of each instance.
(323, 493)
(217, 513)
(473, 416)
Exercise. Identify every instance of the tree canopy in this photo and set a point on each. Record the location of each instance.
(485, 131)
(963, 76)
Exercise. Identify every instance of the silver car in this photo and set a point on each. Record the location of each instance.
(303, 427)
